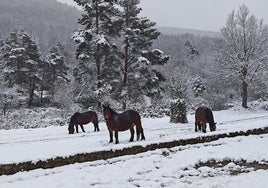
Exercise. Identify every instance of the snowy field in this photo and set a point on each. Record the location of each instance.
(160, 168)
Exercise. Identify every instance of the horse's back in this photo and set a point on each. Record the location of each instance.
(85, 117)
(130, 115)
(204, 114)
(128, 119)
(89, 114)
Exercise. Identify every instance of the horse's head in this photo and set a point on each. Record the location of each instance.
(71, 128)
(212, 127)
(106, 111)
(72, 123)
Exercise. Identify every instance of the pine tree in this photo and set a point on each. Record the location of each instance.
(33, 65)
(1, 55)
(93, 42)
(138, 34)
(198, 87)
(3, 103)
(55, 69)
(22, 62)
(192, 52)
(178, 91)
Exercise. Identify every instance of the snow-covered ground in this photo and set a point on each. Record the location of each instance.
(20, 145)
(160, 168)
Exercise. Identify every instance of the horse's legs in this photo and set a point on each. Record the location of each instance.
(142, 134)
(111, 136)
(76, 127)
(199, 126)
(116, 137)
(204, 126)
(195, 125)
(95, 122)
(96, 126)
(140, 131)
(82, 127)
(132, 132)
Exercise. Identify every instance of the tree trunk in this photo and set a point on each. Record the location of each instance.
(42, 87)
(97, 56)
(32, 87)
(19, 80)
(245, 94)
(98, 65)
(126, 64)
(125, 76)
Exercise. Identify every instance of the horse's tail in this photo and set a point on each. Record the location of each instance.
(139, 129)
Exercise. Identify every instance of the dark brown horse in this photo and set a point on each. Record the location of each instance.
(203, 115)
(122, 122)
(82, 119)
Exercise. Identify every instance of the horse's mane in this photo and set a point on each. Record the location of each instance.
(210, 115)
(112, 111)
(74, 117)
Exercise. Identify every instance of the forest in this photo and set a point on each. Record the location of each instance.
(56, 56)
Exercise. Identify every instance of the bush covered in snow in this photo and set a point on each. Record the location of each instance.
(178, 111)
(261, 104)
(34, 118)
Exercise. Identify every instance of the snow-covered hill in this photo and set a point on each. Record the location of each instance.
(180, 31)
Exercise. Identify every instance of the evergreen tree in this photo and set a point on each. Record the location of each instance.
(1, 55)
(22, 62)
(1, 43)
(138, 34)
(94, 41)
(191, 50)
(178, 91)
(2, 87)
(55, 69)
(198, 87)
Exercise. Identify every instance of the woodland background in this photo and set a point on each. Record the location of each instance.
(188, 68)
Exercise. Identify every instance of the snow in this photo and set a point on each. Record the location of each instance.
(174, 167)
(18, 50)
(143, 60)
(157, 51)
(160, 168)
(79, 36)
(101, 39)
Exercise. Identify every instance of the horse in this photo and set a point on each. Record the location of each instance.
(82, 119)
(204, 115)
(121, 122)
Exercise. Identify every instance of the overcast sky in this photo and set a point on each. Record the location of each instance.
(196, 14)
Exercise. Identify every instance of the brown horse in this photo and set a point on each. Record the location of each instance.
(82, 119)
(122, 122)
(203, 115)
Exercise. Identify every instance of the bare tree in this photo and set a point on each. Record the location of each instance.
(242, 51)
